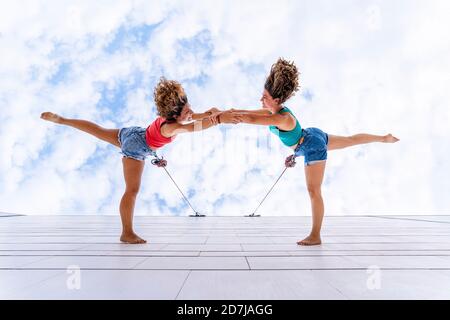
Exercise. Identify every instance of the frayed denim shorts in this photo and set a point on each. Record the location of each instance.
(314, 146)
(133, 144)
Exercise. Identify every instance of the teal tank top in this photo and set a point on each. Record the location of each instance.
(289, 138)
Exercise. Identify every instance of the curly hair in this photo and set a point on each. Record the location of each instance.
(283, 80)
(169, 98)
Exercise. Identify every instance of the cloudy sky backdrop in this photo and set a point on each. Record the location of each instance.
(366, 66)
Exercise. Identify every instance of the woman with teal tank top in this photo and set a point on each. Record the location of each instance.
(311, 143)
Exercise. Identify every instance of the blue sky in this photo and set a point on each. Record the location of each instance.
(365, 67)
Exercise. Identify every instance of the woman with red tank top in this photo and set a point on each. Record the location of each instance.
(136, 143)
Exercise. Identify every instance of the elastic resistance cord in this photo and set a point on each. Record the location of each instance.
(157, 162)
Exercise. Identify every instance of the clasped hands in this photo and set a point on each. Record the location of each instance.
(228, 116)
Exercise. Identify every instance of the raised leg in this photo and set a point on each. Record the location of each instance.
(132, 170)
(340, 142)
(314, 177)
(108, 135)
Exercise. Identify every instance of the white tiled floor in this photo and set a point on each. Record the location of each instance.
(113, 284)
(225, 258)
(394, 284)
(271, 284)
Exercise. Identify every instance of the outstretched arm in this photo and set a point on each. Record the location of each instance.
(283, 121)
(257, 111)
(206, 114)
(172, 129)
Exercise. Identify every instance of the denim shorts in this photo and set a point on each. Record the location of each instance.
(313, 147)
(133, 144)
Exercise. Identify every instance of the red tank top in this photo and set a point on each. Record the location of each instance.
(153, 134)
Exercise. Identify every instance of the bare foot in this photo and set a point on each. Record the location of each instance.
(389, 138)
(131, 238)
(53, 117)
(310, 241)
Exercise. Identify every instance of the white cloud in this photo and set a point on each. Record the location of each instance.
(371, 67)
